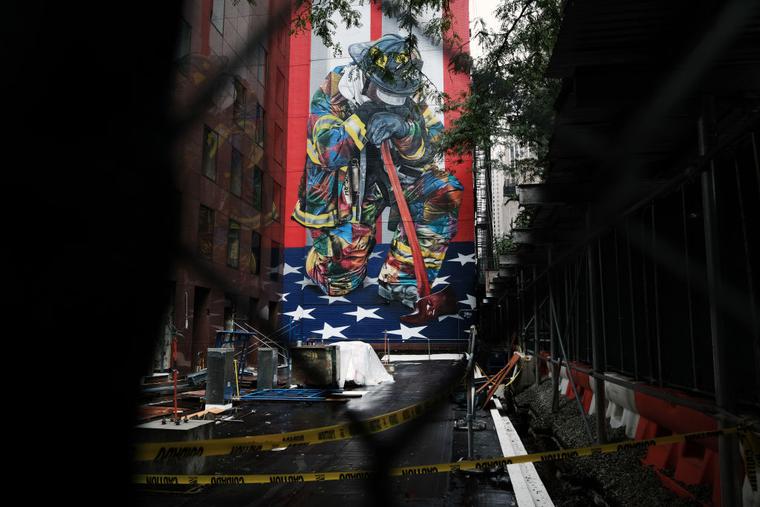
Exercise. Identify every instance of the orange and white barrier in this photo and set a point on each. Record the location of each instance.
(644, 417)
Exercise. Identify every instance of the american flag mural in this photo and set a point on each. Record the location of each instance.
(349, 269)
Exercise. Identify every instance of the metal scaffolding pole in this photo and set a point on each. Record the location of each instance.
(748, 268)
(632, 301)
(552, 350)
(693, 347)
(535, 325)
(596, 346)
(570, 375)
(728, 445)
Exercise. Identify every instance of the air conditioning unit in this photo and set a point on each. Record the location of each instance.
(220, 376)
(267, 368)
(315, 365)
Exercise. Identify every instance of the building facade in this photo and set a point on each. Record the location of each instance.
(229, 175)
(314, 310)
(505, 206)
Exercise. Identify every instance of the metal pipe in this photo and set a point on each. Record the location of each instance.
(570, 378)
(552, 351)
(577, 336)
(688, 289)
(617, 295)
(602, 303)
(535, 327)
(656, 302)
(471, 392)
(728, 449)
(566, 326)
(520, 318)
(596, 353)
(750, 275)
(633, 304)
(645, 295)
(755, 158)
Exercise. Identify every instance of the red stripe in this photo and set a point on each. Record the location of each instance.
(298, 110)
(455, 84)
(375, 19)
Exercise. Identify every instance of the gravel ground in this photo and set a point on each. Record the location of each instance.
(617, 479)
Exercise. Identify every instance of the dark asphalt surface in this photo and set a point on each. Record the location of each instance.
(423, 441)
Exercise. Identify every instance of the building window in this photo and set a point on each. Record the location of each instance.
(279, 92)
(253, 306)
(255, 262)
(206, 232)
(217, 15)
(210, 149)
(261, 71)
(185, 36)
(260, 124)
(238, 108)
(258, 187)
(273, 314)
(233, 244)
(236, 173)
(276, 201)
(274, 261)
(279, 144)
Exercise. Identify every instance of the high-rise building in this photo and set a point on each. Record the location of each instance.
(504, 179)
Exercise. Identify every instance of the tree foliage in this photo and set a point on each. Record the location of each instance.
(511, 97)
(504, 244)
(320, 16)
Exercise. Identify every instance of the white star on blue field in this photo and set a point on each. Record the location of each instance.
(348, 317)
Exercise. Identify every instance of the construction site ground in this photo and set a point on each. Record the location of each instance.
(426, 440)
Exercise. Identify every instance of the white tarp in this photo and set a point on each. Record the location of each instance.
(359, 363)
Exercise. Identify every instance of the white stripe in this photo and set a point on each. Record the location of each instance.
(322, 58)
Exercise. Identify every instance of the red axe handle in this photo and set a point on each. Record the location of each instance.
(423, 285)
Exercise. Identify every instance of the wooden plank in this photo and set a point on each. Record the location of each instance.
(528, 487)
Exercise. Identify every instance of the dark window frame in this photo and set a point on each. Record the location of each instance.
(238, 107)
(280, 89)
(278, 151)
(236, 190)
(185, 42)
(257, 198)
(263, 66)
(206, 237)
(254, 263)
(275, 254)
(261, 125)
(207, 132)
(233, 261)
(276, 201)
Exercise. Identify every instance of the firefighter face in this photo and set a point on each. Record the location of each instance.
(383, 98)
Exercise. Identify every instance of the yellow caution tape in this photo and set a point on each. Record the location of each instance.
(484, 464)
(160, 451)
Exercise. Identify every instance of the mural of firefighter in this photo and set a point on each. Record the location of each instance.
(349, 180)
(377, 206)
